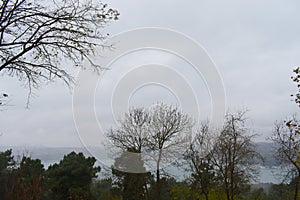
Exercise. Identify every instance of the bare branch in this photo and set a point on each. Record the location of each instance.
(35, 39)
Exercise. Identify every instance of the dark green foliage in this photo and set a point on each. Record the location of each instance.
(103, 189)
(25, 182)
(281, 192)
(71, 177)
(20, 180)
(166, 186)
(6, 160)
(203, 178)
(6, 164)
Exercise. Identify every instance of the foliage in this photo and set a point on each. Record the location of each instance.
(20, 180)
(71, 177)
(166, 186)
(6, 160)
(185, 191)
(6, 165)
(296, 79)
(103, 189)
(26, 181)
(280, 192)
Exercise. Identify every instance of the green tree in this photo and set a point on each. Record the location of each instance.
(280, 192)
(25, 181)
(103, 189)
(256, 194)
(6, 160)
(184, 191)
(71, 177)
(20, 180)
(167, 185)
(7, 164)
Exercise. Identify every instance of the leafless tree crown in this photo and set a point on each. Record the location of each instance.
(36, 36)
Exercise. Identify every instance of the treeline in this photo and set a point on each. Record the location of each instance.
(220, 163)
(27, 179)
(74, 177)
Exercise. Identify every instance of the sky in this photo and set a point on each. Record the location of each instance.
(254, 45)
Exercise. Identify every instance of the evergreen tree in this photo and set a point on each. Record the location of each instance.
(71, 177)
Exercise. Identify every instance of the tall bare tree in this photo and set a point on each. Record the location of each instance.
(38, 36)
(132, 132)
(234, 155)
(163, 132)
(130, 137)
(199, 159)
(287, 140)
(170, 134)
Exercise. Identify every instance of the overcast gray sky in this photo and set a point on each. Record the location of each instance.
(255, 45)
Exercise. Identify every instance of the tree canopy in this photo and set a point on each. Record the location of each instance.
(71, 177)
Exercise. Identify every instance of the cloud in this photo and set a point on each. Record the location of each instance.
(255, 45)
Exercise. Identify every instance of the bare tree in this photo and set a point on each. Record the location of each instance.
(130, 137)
(234, 155)
(37, 36)
(199, 160)
(132, 132)
(287, 139)
(162, 131)
(170, 134)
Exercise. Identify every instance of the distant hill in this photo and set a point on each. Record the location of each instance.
(267, 150)
(50, 155)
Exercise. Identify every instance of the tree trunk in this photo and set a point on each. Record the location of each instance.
(147, 192)
(157, 195)
(158, 176)
(296, 187)
(206, 195)
(227, 190)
